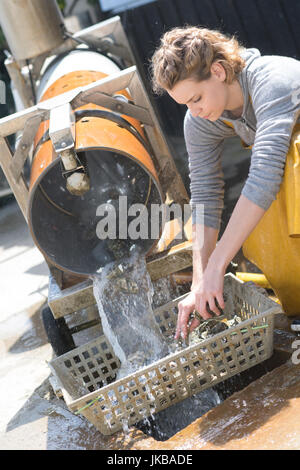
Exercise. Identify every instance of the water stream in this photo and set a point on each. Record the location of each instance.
(125, 297)
(123, 291)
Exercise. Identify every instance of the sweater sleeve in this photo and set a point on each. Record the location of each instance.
(204, 142)
(275, 92)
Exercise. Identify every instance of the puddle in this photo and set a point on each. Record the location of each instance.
(165, 424)
(23, 331)
(168, 422)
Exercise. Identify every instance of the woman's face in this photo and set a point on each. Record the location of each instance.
(207, 98)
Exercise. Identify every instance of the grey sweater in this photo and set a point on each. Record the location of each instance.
(271, 89)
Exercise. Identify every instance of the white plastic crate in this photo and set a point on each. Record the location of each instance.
(111, 404)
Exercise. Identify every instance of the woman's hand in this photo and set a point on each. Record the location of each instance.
(209, 279)
(185, 308)
(204, 293)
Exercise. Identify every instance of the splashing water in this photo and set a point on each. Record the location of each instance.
(173, 419)
(123, 293)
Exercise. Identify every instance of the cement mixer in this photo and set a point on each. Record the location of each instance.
(84, 157)
(109, 158)
(93, 139)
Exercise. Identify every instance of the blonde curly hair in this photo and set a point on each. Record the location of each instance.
(189, 52)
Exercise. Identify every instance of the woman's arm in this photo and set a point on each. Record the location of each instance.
(273, 84)
(209, 269)
(204, 243)
(204, 142)
(243, 220)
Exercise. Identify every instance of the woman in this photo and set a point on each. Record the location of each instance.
(228, 90)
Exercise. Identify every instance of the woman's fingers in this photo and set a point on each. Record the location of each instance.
(212, 305)
(194, 323)
(205, 305)
(184, 311)
(220, 300)
(202, 309)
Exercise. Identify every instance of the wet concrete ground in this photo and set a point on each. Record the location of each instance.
(31, 416)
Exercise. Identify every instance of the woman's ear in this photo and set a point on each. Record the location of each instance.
(218, 71)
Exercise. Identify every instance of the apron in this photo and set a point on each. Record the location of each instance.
(274, 245)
